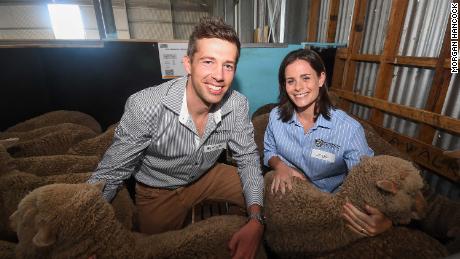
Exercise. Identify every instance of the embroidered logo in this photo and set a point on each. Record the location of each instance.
(322, 143)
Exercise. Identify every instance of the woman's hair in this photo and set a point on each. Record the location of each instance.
(212, 27)
(322, 104)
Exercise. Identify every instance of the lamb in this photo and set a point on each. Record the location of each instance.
(15, 185)
(57, 117)
(47, 165)
(7, 249)
(308, 221)
(94, 146)
(53, 143)
(64, 220)
(398, 242)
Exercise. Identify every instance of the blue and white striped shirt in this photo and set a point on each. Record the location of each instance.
(157, 141)
(324, 154)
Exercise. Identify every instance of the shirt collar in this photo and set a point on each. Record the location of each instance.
(320, 122)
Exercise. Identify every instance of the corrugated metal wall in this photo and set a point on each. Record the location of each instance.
(422, 36)
(344, 21)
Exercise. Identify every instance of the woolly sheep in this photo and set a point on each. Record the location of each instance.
(47, 165)
(57, 117)
(398, 242)
(53, 143)
(309, 221)
(65, 221)
(36, 133)
(15, 185)
(94, 146)
(7, 249)
(443, 221)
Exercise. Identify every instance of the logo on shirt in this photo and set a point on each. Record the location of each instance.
(321, 143)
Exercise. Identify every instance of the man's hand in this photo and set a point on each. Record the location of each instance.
(282, 178)
(369, 223)
(246, 242)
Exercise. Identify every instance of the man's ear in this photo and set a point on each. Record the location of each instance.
(187, 64)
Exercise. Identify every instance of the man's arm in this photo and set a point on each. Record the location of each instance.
(131, 138)
(246, 242)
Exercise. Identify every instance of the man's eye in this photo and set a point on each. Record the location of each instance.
(229, 67)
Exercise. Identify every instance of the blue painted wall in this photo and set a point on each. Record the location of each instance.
(257, 74)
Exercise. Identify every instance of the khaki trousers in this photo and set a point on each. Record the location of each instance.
(161, 210)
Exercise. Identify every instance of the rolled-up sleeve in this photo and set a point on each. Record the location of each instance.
(269, 140)
(245, 153)
(357, 148)
(131, 138)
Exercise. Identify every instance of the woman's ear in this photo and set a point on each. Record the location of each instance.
(322, 79)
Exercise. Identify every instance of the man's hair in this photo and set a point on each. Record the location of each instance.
(212, 27)
(322, 104)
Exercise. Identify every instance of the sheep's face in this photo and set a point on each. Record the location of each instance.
(402, 196)
(50, 216)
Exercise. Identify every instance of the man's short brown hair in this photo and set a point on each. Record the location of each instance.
(212, 27)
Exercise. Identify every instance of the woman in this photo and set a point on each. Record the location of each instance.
(307, 137)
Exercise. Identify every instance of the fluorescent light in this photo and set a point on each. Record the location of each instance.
(66, 21)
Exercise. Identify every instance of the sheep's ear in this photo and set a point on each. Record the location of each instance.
(388, 186)
(44, 237)
(100, 185)
(9, 142)
(14, 220)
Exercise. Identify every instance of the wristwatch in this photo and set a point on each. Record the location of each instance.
(257, 216)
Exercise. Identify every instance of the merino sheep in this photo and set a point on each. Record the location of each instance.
(309, 221)
(68, 221)
(57, 117)
(47, 165)
(53, 143)
(37, 133)
(7, 249)
(398, 242)
(443, 221)
(94, 146)
(15, 185)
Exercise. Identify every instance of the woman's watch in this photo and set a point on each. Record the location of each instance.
(257, 216)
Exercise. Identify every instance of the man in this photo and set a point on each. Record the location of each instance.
(170, 137)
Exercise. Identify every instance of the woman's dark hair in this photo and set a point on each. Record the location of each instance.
(212, 27)
(323, 103)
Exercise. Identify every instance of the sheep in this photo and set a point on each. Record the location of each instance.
(16, 185)
(47, 165)
(57, 117)
(94, 146)
(53, 143)
(443, 221)
(73, 220)
(7, 249)
(398, 242)
(309, 221)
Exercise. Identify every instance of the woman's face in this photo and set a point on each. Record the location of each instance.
(302, 84)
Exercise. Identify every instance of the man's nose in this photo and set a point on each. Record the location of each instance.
(218, 73)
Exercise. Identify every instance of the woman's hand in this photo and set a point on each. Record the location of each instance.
(369, 223)
(282, 179)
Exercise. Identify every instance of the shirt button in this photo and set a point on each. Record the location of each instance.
(196, 163)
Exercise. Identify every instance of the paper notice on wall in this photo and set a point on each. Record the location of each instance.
(171, 55)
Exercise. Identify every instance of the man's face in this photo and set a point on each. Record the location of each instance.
(211, 69)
